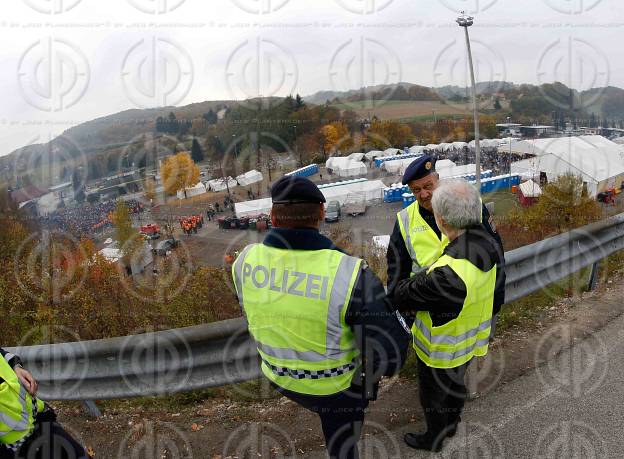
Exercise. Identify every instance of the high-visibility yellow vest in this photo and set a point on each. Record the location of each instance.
(457, 341)
(295, 303)
(16, 407)
(421, 241)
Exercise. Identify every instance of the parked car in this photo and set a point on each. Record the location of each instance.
(332, 213)
(150, 231)
(164, 246)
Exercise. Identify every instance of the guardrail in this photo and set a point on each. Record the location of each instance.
(222, 353)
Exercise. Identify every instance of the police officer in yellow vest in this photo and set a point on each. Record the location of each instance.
(417, 242)
(453, 300)
(27, 426)
(314, 312)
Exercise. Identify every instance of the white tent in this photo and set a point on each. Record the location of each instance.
(457, 171)
(601, 167)
(352, 169)
(381, 242)
(137, 263)
(356, 156)
(192, 191)
(416, 149)
(220, 184)
(373, 154)
(398, 166)
(367, 190)
(252, 208)
(562, 145)
(530, 189)
(392, 151)
(444, 147)
(443, 164)
(253, 176)
(345, 167)
(459, 145)
(619, 140)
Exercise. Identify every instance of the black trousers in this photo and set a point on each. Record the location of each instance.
(48, 441)
(342, 418)
(442, 395)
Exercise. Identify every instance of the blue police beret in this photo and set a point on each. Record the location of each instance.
(419, 168)
(289, 190)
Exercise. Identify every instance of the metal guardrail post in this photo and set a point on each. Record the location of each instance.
(593, 277)
(91, 408)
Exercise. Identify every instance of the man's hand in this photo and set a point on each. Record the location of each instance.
(27, 380)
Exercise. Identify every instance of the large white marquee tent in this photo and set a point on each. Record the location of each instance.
(598, 161)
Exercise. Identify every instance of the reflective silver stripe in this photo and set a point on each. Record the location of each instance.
(8, 356)
(408, 239)
(290, 354)
(23, 423)
(337, 297)
(449, 339)
(450, 356)
(238, 270)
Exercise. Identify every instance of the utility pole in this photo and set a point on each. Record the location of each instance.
(297, 147)
(465, 22)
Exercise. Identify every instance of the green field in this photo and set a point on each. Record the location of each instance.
(504, 202)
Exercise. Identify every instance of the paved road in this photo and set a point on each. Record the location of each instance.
(570, 407)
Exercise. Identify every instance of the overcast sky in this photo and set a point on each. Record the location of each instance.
(69, 61)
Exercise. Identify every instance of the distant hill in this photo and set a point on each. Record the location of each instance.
(109, 135)
(398, 91)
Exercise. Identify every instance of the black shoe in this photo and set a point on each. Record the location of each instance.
(452, 430)
(423, 441)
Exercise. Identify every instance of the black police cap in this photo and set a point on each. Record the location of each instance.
(419, 168)
(290, 190)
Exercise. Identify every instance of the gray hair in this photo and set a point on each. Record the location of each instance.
(458, 203)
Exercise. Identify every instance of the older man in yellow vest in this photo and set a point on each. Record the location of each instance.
(453, 301)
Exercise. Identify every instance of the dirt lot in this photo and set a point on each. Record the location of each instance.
(251, 420)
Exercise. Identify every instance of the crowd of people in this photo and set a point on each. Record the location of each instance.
(191, 224)
(491, 159)
(87, 218)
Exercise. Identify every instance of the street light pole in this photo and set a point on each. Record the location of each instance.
(297, 147)
(465, 22)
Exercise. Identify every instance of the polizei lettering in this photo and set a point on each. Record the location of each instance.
(290, 282)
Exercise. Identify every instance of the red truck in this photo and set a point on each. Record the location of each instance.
(151, 231)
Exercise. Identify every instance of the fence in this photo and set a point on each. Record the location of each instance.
(222, 353)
